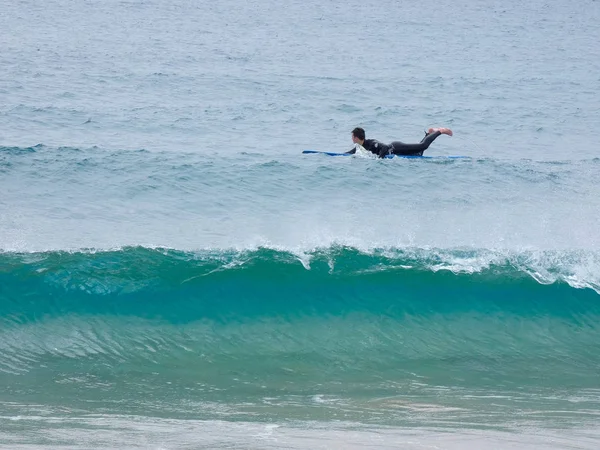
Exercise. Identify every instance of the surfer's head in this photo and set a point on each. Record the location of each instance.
(358, 135)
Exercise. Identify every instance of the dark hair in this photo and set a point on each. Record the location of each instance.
(359, 133)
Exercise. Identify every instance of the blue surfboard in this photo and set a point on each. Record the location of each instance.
(386, 156)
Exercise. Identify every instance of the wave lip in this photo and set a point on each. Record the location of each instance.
(132, 268)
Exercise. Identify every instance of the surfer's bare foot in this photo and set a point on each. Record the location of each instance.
(447, 131)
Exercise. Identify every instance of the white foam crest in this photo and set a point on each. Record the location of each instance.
(576, 267)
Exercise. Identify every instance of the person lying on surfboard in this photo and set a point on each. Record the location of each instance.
(396, 147)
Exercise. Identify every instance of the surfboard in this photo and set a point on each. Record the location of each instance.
(306, 152)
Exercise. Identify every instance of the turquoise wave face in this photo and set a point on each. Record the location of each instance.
(329, 334)
(217, 284)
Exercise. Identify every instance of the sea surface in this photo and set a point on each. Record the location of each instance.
(176, 274)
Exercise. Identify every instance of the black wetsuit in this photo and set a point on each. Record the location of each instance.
(397, 147)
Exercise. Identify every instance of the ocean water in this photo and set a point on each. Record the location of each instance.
(175, 273)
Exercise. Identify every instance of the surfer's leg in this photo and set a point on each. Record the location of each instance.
(400, 148)
(447, 131)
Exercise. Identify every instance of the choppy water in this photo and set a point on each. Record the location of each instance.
(174, 273)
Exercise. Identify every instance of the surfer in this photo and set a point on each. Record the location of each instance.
(396, 147)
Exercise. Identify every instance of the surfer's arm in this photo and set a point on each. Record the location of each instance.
(383, 150)
(379, 148)
(351, 152)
